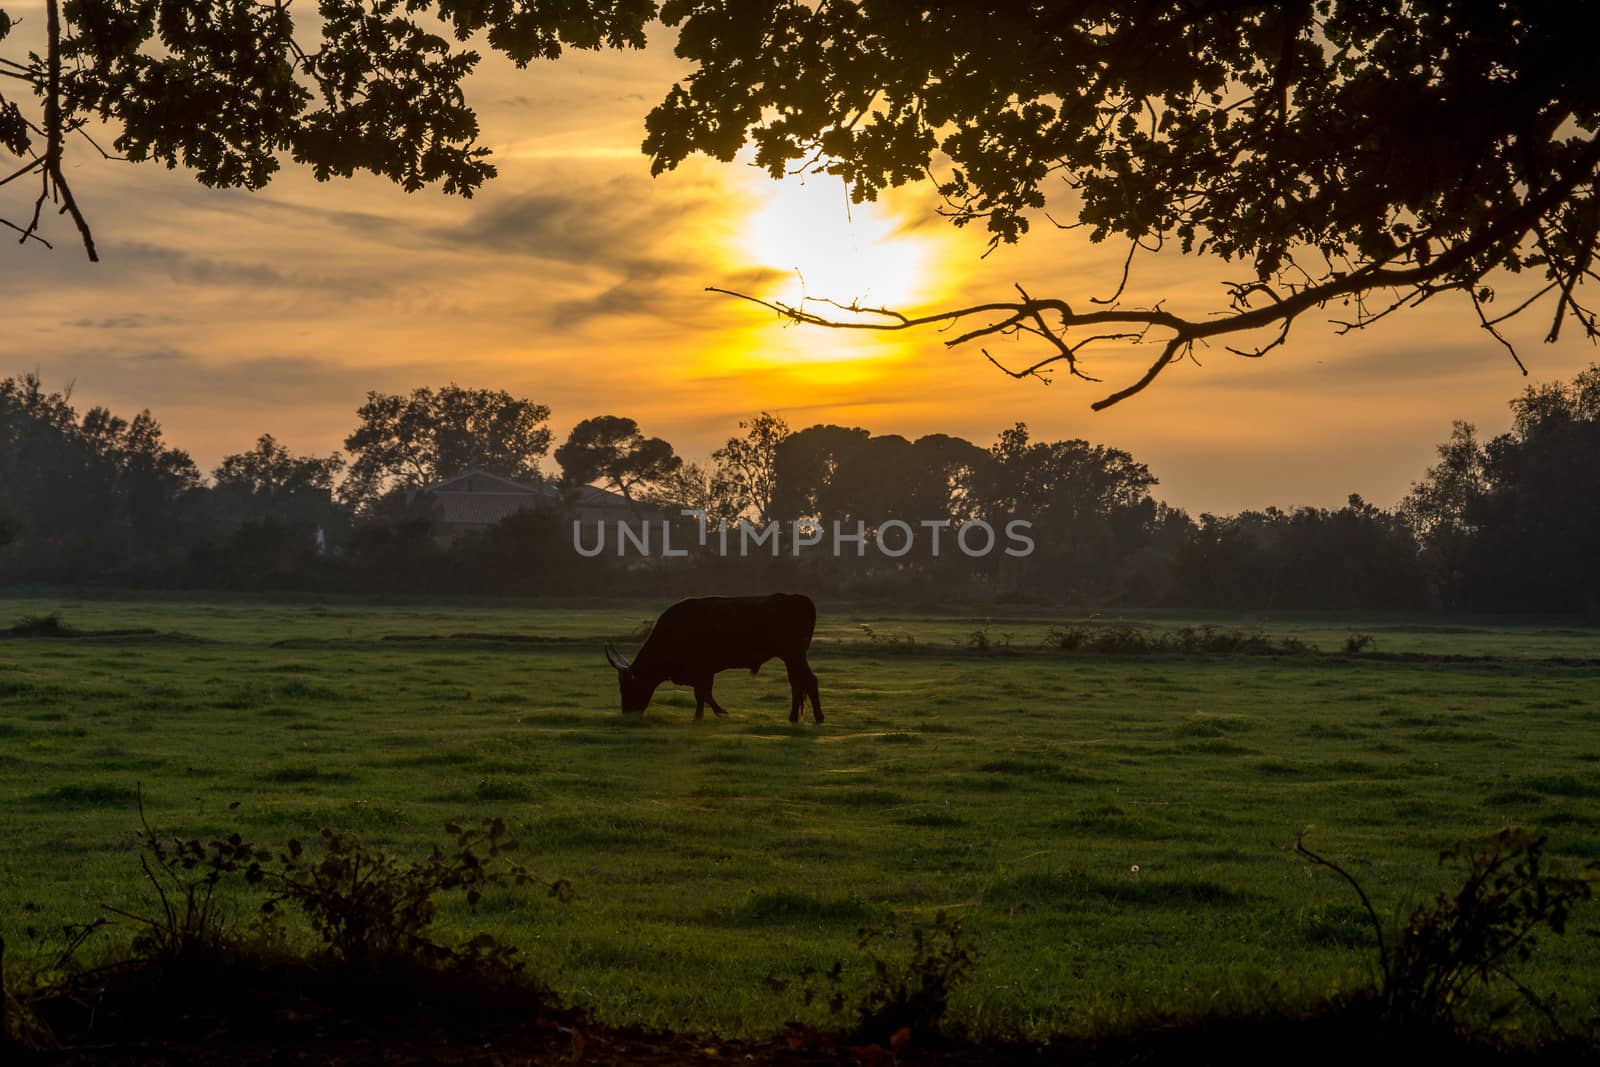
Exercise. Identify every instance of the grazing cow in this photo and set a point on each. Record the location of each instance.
(696, 638)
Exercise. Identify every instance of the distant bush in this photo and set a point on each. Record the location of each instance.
(891, 639)
(980, 640)
(41, 626)
(1358, 642)
(1128, 639)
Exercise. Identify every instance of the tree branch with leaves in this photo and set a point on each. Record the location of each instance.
(1344, 155)
(229, 88)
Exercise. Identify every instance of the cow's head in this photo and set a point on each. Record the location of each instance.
(636, 692)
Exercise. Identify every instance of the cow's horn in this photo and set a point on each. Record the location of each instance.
(615, 658)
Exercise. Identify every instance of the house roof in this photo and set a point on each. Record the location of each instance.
(477, 481)
(592, 496)
(476, 497)
(483, 509)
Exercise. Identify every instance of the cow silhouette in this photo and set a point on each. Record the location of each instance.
(696, 638)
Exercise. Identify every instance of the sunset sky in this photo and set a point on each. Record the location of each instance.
(577, 280)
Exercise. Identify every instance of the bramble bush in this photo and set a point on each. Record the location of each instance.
(364, 905)
(1467, 940)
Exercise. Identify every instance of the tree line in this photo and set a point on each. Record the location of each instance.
(1507, 524)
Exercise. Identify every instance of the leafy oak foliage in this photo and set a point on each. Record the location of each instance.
(1361, 156)
(409, 440)
(227, 88)
(611, 449)
(1357, 154)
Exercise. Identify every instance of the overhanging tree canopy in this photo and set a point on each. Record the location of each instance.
(227, 87)
(1362, 154)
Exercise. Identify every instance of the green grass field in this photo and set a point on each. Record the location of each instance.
(1014, 786)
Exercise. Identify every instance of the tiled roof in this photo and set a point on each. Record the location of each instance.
(482, 509)
(476, 481)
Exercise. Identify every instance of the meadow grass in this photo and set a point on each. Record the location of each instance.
(1014, 786)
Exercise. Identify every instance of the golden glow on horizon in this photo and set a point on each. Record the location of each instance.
(830, 249)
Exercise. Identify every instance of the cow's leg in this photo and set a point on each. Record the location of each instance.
(812, 691)
(797, 687)
(712, 700)
(702, 693)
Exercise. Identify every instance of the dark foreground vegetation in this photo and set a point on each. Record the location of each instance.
(1506, 525)
(209, 977)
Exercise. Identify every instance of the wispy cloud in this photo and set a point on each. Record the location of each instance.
(132, 320)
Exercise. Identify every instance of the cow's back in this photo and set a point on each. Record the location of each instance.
(721, 633)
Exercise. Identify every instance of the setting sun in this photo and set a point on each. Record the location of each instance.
(831, 249)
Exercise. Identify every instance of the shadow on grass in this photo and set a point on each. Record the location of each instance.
(87, 795)
(787, 907)
(1069, 890)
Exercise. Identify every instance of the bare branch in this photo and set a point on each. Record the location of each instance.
(1127, 265)
(1026, 372)
(856, 309)
(27, 235)
(1366, 902)
(1257, 353)
(1573, 273)
(35, 164)
(81, 132)
(1365, 318)
(54, 127)
(1520, 308)
(1477, 305)
(69, 206)
(1169, 354)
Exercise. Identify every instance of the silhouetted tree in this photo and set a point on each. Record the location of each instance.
(92, 494)
(401, 554)
(868, 482)
(271, 504)
(1439, 507)
(1090, 507)
(233, 88)
(270, 470)
(152, 480)
(412, 441)
(1069, 478)
(1535, 526)
(746, 475)
(54, 479)
(1357, 556)
(805, 464)
(1361, 156)
(847, 474)
(611, 449)
(529, 552)
(693, 486)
